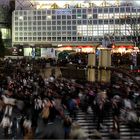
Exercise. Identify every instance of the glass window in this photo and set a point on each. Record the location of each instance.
(25, 23)
(16, 18)
(43, 22)
(44, 38)
(53, 11)
(117, 21)
(63, 27)
(29, 18)
(25, 38)
(73, 16)
(49, 38)
(34, 23)
(43, 17)
(53, 38)
(53, 27)
(84, 21)
(78, 10)
(34, 12)
(49, 28)
(34, 18)
(69, 22)
(49, 33)
(94, 21)
(79, 22)
(16, 12)
(39, 28)
(105, 10)
(58, 17)
(111, 21)
(48, 12)
(43, 12)
(53, 33)
(100, 10)
(63, 38)
(122, 9)
(73, 27)
(48, 22)
(29, 28)
(53, 22)
(34, 38)
(34, 33)
(39, 17)
(89, 21)
(34, 28)
(30, 23)
(111, 10)
(127, 9)
(58, 38)
(39, 12)
(68, 38)
(116, 10)
(25, 18)
(44, 33)
(95, 16)
(84, 16)
(68, 27)
(84, 10)
(39, 22)
(74, 22)
(29, 34)
(16, 38)
(53, 17)
(39, 38)
(68, 17)
(74, 11)
(58, 22)
(94, 10)
(58, 27)
(25, 28)
(63, 16)
(74, 38)
(20, 23)
(63, 22)
(20, 38)
(100, 21)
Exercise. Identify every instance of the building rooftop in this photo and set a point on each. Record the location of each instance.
(56, 4)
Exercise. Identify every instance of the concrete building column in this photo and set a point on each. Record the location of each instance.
(91, 71)
(104, 61)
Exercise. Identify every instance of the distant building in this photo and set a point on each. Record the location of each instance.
(6, 21)
(39, 24)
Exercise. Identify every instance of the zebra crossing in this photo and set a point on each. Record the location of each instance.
(87, 122)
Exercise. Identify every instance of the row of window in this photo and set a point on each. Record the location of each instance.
(78, 10)
(78, 22)
(66, 39)
(76, 33)
(78, 16)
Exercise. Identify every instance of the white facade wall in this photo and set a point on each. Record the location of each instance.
(75, 25)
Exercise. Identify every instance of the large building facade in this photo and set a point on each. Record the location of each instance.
(75, 25)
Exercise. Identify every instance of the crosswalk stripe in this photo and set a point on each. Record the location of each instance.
(88, 123)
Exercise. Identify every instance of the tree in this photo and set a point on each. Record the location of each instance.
(2, 47)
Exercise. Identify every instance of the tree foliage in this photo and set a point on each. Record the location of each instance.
(2, 47)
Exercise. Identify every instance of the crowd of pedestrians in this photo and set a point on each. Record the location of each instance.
(32, 106)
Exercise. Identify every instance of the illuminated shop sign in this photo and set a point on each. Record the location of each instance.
(63, 12)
